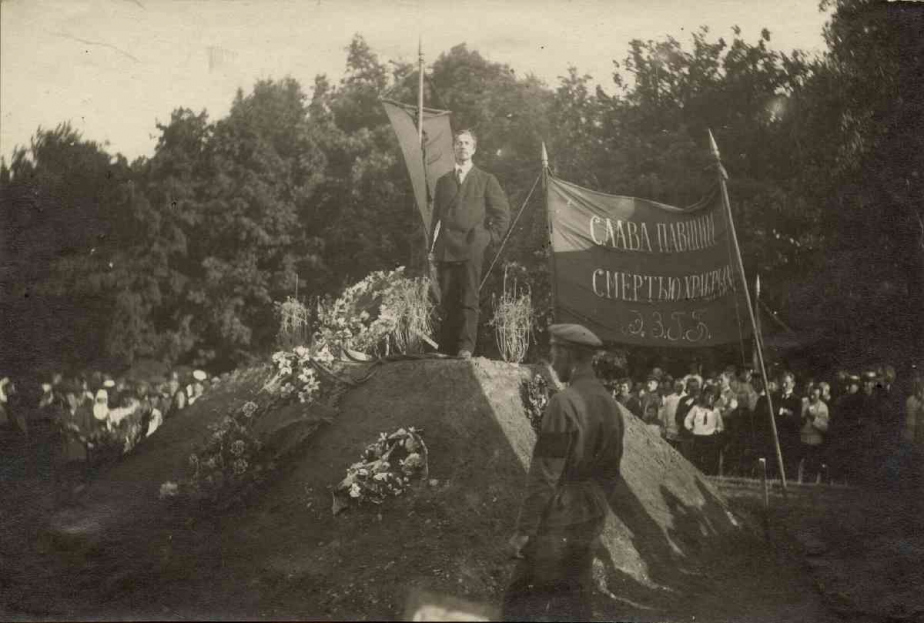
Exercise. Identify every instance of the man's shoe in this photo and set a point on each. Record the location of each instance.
(465, 354)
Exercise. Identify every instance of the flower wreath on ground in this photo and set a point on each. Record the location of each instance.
(388, 467)
(385, 312)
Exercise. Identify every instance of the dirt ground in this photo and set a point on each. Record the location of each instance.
(861, 547)
(104, 546)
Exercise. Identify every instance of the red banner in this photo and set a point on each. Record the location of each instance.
(437, 137)
(644, 273)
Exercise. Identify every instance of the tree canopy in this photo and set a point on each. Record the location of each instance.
(180, 255)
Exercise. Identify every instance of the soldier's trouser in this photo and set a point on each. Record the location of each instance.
(459, 283)
(553, 581)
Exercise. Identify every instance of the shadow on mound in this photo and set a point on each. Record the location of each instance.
(447, 538)
(666, 527)
(286, 556)
(450, 538)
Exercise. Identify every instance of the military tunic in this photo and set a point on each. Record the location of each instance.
(574, 466)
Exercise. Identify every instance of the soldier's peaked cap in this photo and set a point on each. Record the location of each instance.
(574, 335)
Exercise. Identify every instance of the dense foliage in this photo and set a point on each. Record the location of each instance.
(181, 256)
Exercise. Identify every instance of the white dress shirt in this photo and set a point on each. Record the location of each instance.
(702, 421)
(462, 171)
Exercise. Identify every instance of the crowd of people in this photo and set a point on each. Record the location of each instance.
(842, 431)
(94, 416)
(828, 432)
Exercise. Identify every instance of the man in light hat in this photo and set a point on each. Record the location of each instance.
(574, 467)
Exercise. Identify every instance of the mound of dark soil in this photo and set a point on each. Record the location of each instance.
(671, 547)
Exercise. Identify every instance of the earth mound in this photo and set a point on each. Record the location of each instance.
(285, 555)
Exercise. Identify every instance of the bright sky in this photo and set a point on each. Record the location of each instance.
(115, 67)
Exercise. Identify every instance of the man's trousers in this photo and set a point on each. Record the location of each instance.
(553, 581)
(460, 305)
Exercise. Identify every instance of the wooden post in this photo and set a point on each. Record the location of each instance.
(747, 295)
(763, 483)
(427, 243)
(420, 97)
(548, 214)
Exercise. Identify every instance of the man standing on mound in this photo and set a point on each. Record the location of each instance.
(472, 211)
(574, 468)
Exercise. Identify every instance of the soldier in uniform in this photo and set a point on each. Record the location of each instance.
(472, 211)
(574, 467)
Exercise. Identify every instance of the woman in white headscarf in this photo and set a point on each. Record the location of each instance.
(101, 409)
(195, 390)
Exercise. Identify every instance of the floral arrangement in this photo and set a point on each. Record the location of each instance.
(228, 464)
(294, 323)
(387, 468)
(385, 312)
(535, 394)
(513, 317)
(297, 373)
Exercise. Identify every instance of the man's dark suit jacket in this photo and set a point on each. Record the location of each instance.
(471, 216)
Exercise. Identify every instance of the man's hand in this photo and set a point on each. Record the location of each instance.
(516, 544)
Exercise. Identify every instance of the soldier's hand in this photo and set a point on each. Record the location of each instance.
(516, 544)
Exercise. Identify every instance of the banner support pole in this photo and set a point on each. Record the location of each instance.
(760, 354)
(548, 216)
(420, 92)
(507, 235)
(428, 244)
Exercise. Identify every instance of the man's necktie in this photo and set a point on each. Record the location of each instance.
(459, 177)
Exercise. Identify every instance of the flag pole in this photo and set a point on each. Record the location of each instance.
(548, 216)
(758, 338)
(429, 245)
(760, 327)
(420, 94)
(760, 354)
(500, 249)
